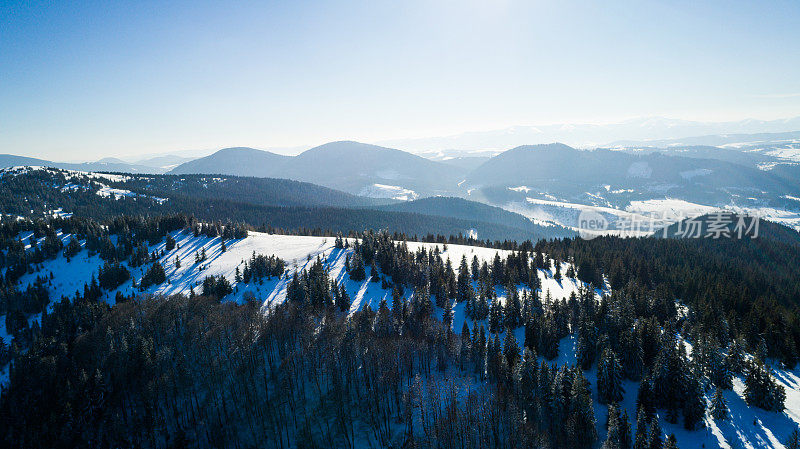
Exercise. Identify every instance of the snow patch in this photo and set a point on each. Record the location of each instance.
(387, 191)
(689, 174)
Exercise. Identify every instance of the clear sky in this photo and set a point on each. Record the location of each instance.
(83, 80)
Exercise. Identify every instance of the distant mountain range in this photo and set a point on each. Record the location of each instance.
(547, 183)
(159, 164)
(353, 167)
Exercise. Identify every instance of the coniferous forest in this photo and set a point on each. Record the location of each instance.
(680, 318)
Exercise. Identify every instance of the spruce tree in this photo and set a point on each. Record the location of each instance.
(358, 273)
(654, 441)
(613, 438)
(465, 348)
(343, 299)
(761, 390)
(383, 321)
(625, 430)
(609, 378)
(464, 285)
(694, 403)
(398, 304)
(512, 309)
(735, 357)
(447, 317)
(511, 349)
(375, 275)
(719, 408)
(641, 440)
(581, 424)
(495, 316)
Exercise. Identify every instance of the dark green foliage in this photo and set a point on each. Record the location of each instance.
(761, 390)
(112, 275)
(153, 276)
(358, 273)
(719, 408)
(73, 248)
(216, 286)
(261, 266)
(609, 378)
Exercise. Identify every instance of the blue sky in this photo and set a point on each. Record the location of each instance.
(83, 80)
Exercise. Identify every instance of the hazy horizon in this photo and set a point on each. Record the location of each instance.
(87, 81)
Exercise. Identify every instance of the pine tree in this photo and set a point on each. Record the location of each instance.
(735, 357)
(609, 378)
(694, 403)
(358, 273)
(655, 442)
(625, 430)
(761, 390)
(641, 440)
(719, 408)
(511, 349)
(613, 440)
(447, 317)
(464, 283)
(581, 424)
(495, 316)
(343, 299)
(375, 275)
(671, 442)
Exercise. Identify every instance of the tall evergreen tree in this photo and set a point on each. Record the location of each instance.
(609, 378)
(719, 408)
(655, 441)
(511, 349)
(581, 424)
(642, 438)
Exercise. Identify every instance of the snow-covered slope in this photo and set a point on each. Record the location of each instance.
(298, 252)
(748, 427)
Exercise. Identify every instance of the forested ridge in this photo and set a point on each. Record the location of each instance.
(259, 202)
(191, 371)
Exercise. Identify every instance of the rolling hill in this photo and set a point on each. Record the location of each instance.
(349, 166)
